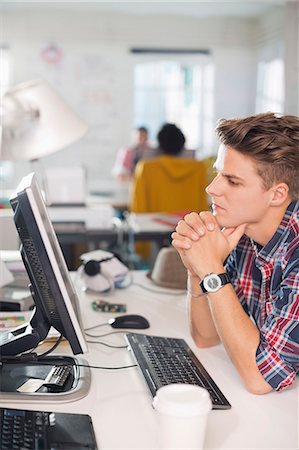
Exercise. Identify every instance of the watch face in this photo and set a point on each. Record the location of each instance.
(212, 283)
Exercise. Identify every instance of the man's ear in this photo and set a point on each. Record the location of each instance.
(280, 194)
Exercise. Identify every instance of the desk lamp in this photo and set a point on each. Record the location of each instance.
(36, 121)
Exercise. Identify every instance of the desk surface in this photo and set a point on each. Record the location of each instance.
(119, 401)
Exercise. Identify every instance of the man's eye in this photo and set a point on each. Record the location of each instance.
(232, 182)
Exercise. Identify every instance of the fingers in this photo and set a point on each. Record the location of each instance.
(180, 242)
(188, 227)
(209, 220)
(234, 236)
(201, 222)
(192, 228)
(194, 225)
(228, 231)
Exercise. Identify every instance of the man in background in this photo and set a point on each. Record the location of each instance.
(127, 158)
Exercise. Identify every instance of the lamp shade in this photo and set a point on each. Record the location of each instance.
(36, 121)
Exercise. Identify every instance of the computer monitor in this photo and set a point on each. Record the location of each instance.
(56, 302)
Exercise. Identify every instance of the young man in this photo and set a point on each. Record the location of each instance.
(252, 241)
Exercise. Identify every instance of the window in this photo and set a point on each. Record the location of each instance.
(270, 86)
(180, 93)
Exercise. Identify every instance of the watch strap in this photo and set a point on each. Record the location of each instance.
(224, 278)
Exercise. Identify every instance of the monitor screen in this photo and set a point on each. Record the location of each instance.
(55, 299)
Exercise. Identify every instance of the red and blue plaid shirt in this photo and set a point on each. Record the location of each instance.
(266, 281)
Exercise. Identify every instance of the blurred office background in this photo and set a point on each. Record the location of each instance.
(126, 64)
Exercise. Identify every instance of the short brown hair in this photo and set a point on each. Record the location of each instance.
(272, 140)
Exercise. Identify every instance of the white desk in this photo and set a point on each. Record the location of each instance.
(120, 404)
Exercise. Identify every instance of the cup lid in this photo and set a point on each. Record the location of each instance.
(182, 400)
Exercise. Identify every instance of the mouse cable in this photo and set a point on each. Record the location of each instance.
(155, 291)
(107, 345)
(96, 326)
(111, 332)
(106, 368)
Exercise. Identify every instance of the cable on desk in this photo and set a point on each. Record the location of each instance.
(107, 345)
(101, 325)
(110, 332)
(95, 326)
(102, 335)
(106, 368)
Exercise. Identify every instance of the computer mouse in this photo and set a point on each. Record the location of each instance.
(129, 321)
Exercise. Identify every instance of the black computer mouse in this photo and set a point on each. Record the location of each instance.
(129, 321)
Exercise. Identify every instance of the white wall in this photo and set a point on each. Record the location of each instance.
(95, 74)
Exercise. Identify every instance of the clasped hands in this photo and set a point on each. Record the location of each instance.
(202, 244)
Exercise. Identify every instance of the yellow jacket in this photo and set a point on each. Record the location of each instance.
(169, 184)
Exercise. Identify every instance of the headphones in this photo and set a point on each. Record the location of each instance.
(89, 273)
(102, 274)
(93, 267)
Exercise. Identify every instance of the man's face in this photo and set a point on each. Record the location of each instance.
(142, 137)
(237, 191)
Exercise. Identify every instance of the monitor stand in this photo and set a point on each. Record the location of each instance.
(14, 373)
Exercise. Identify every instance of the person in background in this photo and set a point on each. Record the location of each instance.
(127, 158)
(171, 181)
(243, 260)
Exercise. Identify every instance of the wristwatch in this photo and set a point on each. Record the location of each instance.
(213, 282)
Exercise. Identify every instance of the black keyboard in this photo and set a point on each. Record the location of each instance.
(38, 430)
(164, 360)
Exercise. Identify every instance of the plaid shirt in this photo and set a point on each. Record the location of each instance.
(266, 281)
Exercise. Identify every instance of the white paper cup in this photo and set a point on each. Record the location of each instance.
(182, 412)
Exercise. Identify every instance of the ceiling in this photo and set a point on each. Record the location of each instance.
(224, 8)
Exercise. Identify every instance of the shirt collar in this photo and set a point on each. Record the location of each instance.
(267, 252)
